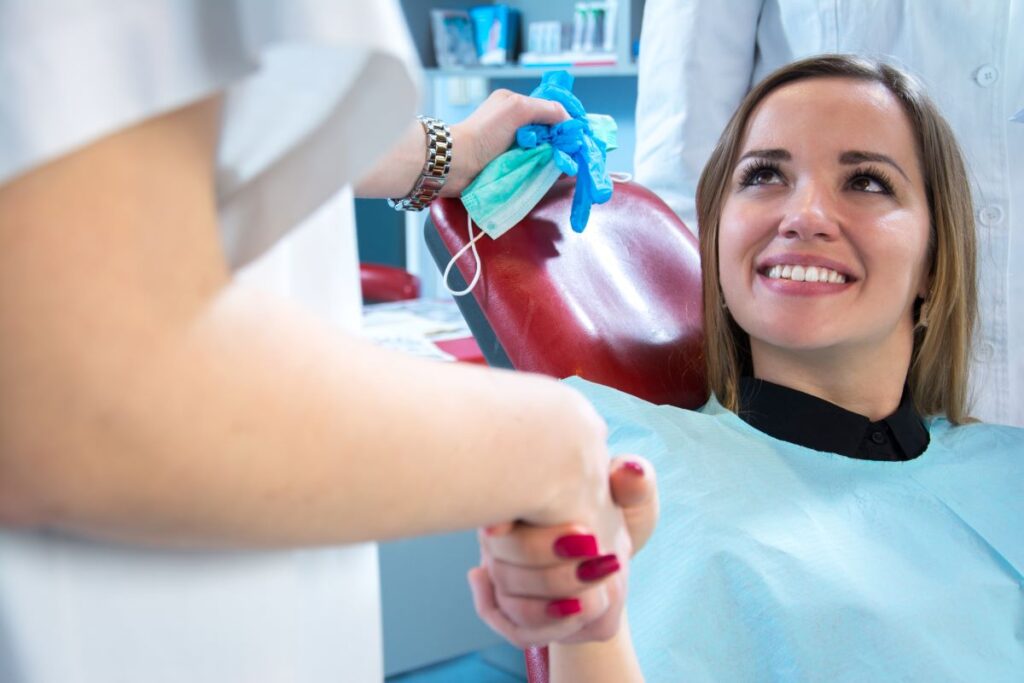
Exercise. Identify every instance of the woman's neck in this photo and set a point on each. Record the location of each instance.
(864, 381)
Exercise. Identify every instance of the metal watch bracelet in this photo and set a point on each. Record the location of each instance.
(435, 169)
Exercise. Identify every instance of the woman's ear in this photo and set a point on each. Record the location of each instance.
(923, 301)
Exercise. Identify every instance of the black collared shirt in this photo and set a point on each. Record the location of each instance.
(806, 420)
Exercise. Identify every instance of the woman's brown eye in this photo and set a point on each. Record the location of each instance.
(864, 183)
(760, 175)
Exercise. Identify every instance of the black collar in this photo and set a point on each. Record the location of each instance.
(806, 420)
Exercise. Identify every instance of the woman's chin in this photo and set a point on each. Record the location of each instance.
(811, 342)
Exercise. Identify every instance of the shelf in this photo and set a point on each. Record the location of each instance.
(516, 71)
(627, 29)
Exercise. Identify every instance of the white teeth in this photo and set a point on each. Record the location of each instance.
(805, 274)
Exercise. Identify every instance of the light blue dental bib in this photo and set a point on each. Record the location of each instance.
(774, 562)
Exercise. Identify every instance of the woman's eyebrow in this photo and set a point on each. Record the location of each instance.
(776, 154)
(859, 157)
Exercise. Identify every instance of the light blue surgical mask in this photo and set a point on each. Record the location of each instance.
(514, 182)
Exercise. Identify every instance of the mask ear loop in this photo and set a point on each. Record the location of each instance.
(458, 255)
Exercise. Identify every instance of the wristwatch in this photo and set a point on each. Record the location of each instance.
(435, 169)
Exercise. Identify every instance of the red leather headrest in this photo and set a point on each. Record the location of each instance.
(619, 304)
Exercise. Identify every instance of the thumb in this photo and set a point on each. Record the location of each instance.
(634, 489)
(537, 110)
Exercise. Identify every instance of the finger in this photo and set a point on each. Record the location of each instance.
(634, 488)
(486, 605)
(633, 480)
(536, 546)
(547, 112)
(563, 580)
(522, 109)
(549, 615)
(608, 624)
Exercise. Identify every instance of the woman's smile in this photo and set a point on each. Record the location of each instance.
(803, 275)
(809, 274)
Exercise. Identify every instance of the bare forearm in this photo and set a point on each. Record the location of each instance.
(395, 174)
(486, 133)
(612, 661)
(145, 397)
(254, 425)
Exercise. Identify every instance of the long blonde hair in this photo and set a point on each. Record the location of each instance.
(939, 365)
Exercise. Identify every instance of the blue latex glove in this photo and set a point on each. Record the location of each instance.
(577, 151)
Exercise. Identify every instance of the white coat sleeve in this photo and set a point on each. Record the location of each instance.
(696, 63)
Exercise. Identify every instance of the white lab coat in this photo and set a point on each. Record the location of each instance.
(698, 58)
(315, 90)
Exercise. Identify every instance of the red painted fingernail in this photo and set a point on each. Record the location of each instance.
(576, 545)
(634, 468)
(598, 568)
(564, 608)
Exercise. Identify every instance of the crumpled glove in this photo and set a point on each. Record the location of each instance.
(508, 188)
(577, 149)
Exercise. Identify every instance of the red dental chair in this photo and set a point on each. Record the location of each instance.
(619, 304)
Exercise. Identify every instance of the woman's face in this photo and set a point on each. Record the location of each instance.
(823, 237)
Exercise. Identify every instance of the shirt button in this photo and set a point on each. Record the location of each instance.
(986, 75)
(990, 215)
(878, 437)
(985, 352)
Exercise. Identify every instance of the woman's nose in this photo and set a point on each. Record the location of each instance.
(809, 215)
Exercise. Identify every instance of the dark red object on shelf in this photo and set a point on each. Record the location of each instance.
(382, 283)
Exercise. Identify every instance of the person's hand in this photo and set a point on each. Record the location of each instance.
(537, 585)
(490, 130)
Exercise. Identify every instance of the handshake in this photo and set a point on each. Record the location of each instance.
(566, 583)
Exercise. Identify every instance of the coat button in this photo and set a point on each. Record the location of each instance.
(986, 75)
(878, 437)
(990, 215)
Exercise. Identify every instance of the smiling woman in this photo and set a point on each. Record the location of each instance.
(828, 515)
(818, 206)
